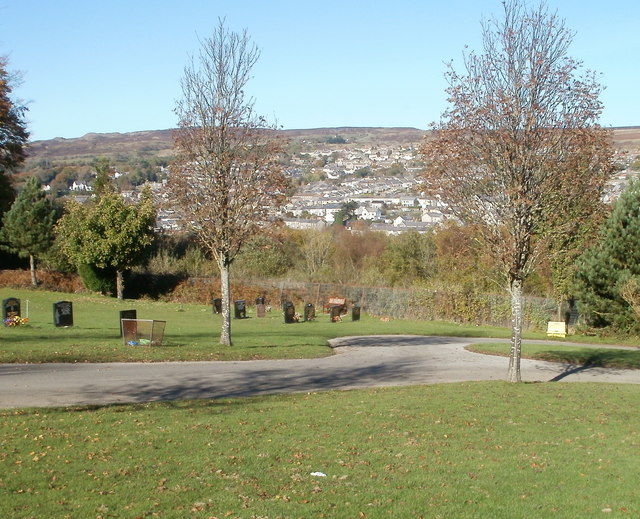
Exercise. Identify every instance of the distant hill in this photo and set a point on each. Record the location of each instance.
(627, 138)
(159, 143)
(153, 142)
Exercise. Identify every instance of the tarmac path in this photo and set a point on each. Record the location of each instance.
(358, 362)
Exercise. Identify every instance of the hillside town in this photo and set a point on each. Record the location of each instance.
(382, 182)
(375, 171)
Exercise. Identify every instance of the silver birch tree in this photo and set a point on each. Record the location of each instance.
(226, 176)
(519, 153)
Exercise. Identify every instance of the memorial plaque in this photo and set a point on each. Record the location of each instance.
(127, 314)
(10, 308)
(261, 310)
(63, 313)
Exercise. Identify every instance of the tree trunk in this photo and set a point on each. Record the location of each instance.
(119, 285)
(32, 263)
(225, 333)
(513, 375)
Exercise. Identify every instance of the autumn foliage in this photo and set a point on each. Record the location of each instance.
(519, 154)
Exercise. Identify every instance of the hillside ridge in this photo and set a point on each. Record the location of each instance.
(160, 142)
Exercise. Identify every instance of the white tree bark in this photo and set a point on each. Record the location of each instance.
(225, 332)
(517, 310)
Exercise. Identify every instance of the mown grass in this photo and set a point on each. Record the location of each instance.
(454, 450)
(568, 354)
(467, 450)
(192, 332)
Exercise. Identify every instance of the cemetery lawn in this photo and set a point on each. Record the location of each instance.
(192, 332)
(465, 450)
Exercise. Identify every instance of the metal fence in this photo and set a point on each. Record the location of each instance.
(455, 305)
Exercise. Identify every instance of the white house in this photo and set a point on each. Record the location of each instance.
(434, 216)
(368, 213)
(325, 211)
(399, 222)
(80, 186)
(304, 223)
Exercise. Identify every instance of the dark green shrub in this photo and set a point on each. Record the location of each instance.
(98, 280)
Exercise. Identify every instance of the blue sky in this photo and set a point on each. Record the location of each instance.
(115, 66)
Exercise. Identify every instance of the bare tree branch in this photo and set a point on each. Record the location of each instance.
(519, 153)
(226, 177)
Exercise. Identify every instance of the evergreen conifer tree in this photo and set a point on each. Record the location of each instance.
(28, 225)
(609, 270)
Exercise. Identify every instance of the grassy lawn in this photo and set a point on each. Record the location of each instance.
(487, 449)
(459, 451)
(574, 355)
(191, 333)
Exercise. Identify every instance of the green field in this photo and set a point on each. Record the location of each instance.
(192, 332)
(494, 450)
(467, 450)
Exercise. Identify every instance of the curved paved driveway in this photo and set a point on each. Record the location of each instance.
(359, 362)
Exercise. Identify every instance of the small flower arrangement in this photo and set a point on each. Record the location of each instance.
(16, 320)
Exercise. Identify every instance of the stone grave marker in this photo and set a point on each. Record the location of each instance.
(10, 308)
(63, 313)
(289, 312)
(335, 313)
(240, 309)
(309, 312)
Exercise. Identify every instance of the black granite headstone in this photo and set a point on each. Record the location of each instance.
(240, 309)
(63, 313)
(309, 312)
(289, 312)
(10, 308)
(335, 313)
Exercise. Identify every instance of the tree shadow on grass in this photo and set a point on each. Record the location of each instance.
(584, 360)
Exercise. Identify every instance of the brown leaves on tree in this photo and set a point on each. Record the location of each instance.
(226, 177)
(519, 154)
